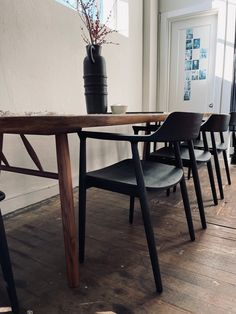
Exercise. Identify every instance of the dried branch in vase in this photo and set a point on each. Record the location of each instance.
(96, 31)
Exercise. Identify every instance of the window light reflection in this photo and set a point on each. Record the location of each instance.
(117, 10)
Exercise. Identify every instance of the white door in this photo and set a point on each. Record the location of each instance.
(192, 64)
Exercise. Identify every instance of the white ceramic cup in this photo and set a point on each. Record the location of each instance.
(118, 109)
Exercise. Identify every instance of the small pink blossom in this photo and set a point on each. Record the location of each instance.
(90, 16)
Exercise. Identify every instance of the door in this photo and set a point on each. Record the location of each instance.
(192, 64)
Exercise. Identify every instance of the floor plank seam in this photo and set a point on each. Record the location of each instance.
(219, 225)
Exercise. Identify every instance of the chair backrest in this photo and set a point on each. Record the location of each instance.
(179, 126)
(232, 121)
(217, 122)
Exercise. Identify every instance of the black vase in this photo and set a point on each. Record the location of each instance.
(95, 80)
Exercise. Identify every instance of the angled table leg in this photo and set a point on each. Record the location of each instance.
(1, 145)
(67, 209)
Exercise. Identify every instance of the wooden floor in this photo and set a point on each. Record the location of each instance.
(198, 277)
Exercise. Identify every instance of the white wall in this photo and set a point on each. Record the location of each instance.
(150, 44)
(41, 57)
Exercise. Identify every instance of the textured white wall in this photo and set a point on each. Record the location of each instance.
(41, 57)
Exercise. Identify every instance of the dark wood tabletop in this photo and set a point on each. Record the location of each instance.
(57, 124)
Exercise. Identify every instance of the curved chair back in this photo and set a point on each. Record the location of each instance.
(232, 121)
(179, 126)
(216, 123)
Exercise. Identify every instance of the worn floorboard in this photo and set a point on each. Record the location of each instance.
(198, 277)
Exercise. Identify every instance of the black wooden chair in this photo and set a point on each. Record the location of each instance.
(216, 124)
(134, 177)
(192, 159)
(6, 265)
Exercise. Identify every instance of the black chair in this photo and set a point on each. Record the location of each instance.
(6, 265)
(134, 177)
(192, 159)
(216, 124)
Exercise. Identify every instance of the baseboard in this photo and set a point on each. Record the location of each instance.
(21, 201)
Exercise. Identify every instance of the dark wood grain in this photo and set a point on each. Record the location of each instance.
(31, 152)
(4, 159)
(31, 172)
(46, 125)
(67, 209)
(2, 156)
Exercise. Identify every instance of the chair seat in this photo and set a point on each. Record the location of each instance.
(156, 175)
(220, 146)
(167, 152)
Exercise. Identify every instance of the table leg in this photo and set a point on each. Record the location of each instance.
(67, 209)
(1, 145)
(146, 145)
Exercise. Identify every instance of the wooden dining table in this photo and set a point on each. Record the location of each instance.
(60, 126)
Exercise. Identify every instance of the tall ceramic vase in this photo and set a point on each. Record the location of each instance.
(95, 80)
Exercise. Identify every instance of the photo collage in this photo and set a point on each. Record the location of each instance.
(195, 68)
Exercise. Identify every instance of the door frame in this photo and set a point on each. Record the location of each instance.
(166, 20)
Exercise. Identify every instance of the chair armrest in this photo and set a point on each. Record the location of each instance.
(149, 128)
(115, 136)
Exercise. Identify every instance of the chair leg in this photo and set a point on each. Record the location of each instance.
(189, 173)
(147, 219)
(168, 192)
(212, 182)
(217, 165)
(151, 241)
(131, 209)
(218, 175)
(7, 269)
(227, 167)
(233, 156)
(82, 222)
(197, 185)
(183, 188)
(198, 192)
(187, 208)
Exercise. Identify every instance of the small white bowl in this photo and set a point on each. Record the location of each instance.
(118, 109)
